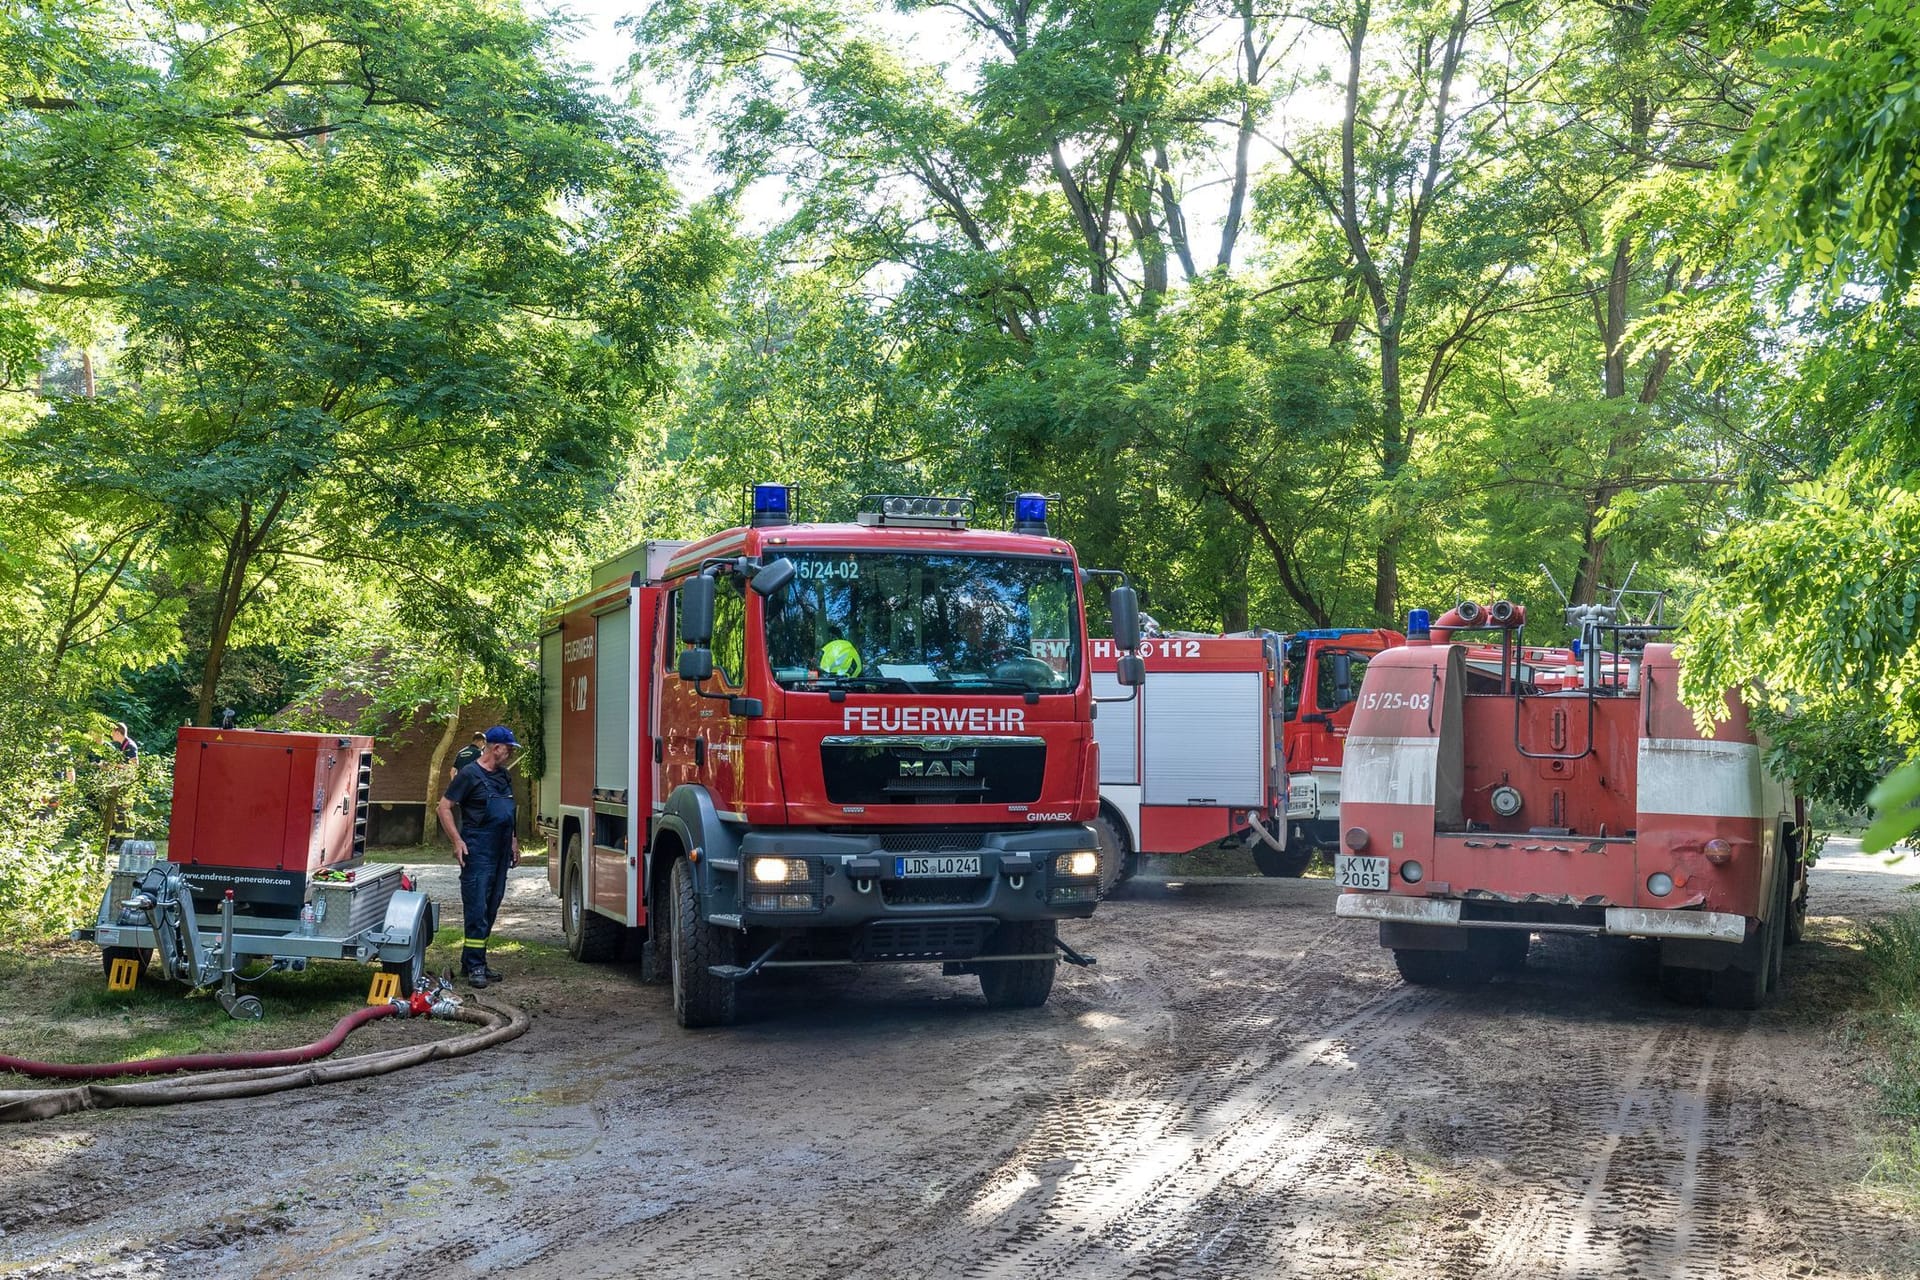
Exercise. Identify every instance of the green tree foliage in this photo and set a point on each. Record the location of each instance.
(1812, 600)
(389, 284)
(323, 325)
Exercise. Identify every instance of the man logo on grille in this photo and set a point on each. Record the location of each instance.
(936, 768)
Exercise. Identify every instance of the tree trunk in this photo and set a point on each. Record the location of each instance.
(430, 832)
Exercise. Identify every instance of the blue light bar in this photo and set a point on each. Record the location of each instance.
(1419, 622)
(770, 499)
(1030, 507)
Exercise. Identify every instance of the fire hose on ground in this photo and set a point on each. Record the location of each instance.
(251, 1074)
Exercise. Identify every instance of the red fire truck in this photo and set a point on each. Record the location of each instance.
(1239, 739)
(825, 744)
(1480, 808)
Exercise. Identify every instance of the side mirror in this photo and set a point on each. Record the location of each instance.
(1342, 678)
(1124, 605)
(696, 664)
(748, 707)
(1130, 669)
(772, 577)
(696, 615)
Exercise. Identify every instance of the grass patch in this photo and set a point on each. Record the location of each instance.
(55, 1007)
(1890, 950)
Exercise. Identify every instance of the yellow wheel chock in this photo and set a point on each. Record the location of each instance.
(386, 986)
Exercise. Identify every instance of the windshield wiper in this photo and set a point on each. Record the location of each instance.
(996, 682)
(856, 682)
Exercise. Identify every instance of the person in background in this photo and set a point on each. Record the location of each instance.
(129, 749)
(468, 754)
(485, 843)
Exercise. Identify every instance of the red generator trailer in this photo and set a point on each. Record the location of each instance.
(1239, 740)
(791, 745)
(265, 860)
(1480, 808)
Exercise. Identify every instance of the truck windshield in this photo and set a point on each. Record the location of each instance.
(923, 623)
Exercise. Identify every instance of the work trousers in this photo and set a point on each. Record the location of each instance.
(483, 883)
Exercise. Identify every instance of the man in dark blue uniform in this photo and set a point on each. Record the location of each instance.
(485, 843)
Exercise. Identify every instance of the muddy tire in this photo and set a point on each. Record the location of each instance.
(1426, 968)
(591, 938)
(1130, 866)
(1020, 984)
(1289, 863)
(140, 955)
(699, 998)
(1796, 916)
(1507, 948)
(1745, 983)
(1114, 854)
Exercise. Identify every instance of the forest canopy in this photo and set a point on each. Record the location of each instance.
(337, 337)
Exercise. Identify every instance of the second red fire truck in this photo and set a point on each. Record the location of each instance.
(826, 744)
(1239, 739)
(1482, 806)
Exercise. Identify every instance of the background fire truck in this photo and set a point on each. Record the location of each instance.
(1480, 809)
(824, 744)
(1238, 739)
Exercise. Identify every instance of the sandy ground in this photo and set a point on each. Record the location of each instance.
(1241, 1088)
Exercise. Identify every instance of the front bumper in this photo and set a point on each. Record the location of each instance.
(856, 879)
(1630, 922)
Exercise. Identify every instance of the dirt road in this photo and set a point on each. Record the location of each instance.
(1241, 1088)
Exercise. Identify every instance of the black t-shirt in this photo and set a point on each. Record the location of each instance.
(129, 750)
(468, 754)
(484, 798)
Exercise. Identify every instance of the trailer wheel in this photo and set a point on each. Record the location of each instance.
(1114, 854)
(412, 972)
(591, 937)
(1020, 984)
(141, 956)
(699, 998)
(1291, 862)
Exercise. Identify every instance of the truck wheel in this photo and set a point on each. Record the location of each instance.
(1114, 853)
(1425, 968)
(1291, 862)
(1020, 984)
(591, 937)
(139, 955)
(1744, 983)
(1796, 917)
(1130, 866)
(1506, 948)
(699, 998)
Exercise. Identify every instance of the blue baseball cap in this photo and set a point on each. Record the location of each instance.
(501, 734)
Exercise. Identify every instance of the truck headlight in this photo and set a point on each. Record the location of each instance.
(1080, 862)
(779, 870)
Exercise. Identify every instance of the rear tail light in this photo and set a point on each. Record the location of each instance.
(1719, 852)
(1357, 838)
(1659, 884)
(1412, 872)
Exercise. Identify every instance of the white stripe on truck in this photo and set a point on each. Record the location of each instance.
(1699, 778)
(1389, 771)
